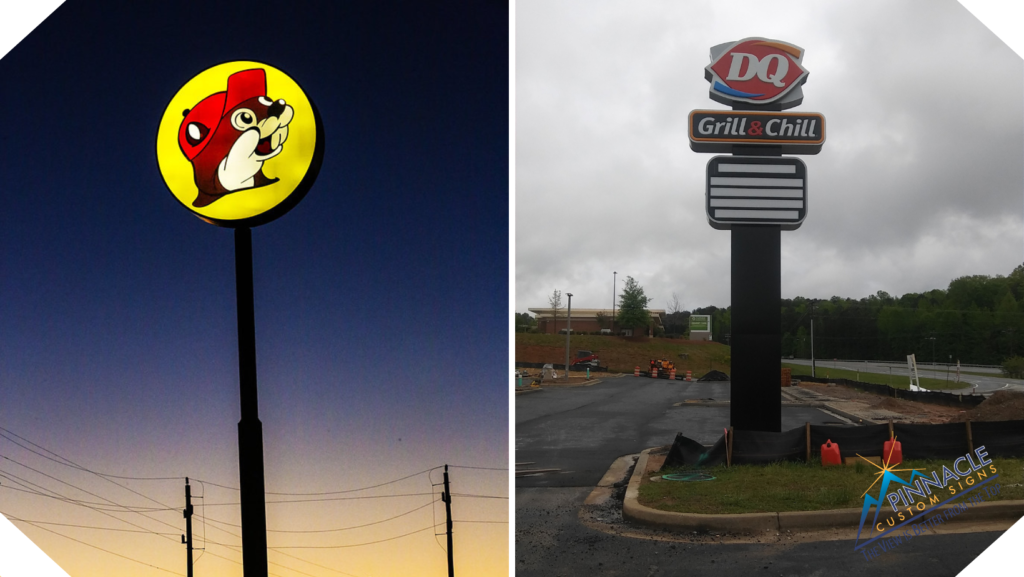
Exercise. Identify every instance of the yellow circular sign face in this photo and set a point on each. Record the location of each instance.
(240, 144)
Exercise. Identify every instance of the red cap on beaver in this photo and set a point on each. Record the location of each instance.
(199, 122)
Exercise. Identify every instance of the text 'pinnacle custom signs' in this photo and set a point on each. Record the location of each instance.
(240, 144)
(756, 71)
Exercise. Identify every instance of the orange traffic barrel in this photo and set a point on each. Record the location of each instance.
(830, 454)
(892, 452)
(636, 371)
(672, 374)
(654, 372)
(689, 375)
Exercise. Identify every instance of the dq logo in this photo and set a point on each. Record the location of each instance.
(756, 70)
(240, 144)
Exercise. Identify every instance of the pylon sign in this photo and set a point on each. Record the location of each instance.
(757, 71)
(756, 190)
(240, 144)
(756, 193)
(720, 130)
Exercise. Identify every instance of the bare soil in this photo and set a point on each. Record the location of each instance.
(1001, 406)
(916, 412)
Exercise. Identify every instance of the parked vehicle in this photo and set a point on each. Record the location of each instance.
(585, 358)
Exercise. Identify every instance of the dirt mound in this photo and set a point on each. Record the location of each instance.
(1001, 406)
(714, 376)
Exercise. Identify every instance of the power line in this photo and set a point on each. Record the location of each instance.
(104, 550)
(332, 492)
(479, 468)
(478, 496)
(465, 521)
(354, 544)
(34, 521)
(72, 464)
(88, 504)
(331, 499)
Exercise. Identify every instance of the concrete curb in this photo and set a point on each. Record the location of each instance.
(633, 511)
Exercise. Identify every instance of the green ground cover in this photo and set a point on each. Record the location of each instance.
(796, 487)
(895, 381)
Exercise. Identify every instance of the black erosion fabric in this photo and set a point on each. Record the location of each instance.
(684, 451)
(947, 441)
(1000, 438)
(940, 441)
(761, 447)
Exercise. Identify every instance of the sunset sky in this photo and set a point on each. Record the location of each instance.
(380, 300)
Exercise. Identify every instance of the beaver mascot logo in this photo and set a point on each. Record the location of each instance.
(229, 135)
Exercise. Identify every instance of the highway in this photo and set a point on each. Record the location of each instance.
(900, 373)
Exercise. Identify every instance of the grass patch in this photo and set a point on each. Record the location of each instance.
(796, 487)
(894, 381)
(622, 354)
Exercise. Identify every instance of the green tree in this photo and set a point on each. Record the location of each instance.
(524, 322)
(633, 303)
(555, 300)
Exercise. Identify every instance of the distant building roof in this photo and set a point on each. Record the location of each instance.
(546, 313)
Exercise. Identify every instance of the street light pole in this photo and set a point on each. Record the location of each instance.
(932, 339)
(614, 273)
(568, 330)
(812, 339)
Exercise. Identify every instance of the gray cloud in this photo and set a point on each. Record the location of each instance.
(920, 179)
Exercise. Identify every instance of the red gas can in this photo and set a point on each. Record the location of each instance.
(892, 452)
(830, 454)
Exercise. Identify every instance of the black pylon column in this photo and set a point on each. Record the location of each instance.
(756, 396)
(250, 430)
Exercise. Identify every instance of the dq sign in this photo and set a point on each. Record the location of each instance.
(240, 144)
(755, 70)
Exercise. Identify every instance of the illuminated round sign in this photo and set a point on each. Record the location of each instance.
(240, 144)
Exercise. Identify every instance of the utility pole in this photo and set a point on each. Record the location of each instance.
(187, 537)
(568, 331)
(812, 338)
(447, 498)
(614, 273)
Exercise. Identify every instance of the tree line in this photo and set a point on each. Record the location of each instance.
(977, 320)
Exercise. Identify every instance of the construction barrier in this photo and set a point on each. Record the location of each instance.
(689, 375)
(672, 374)
(636, 372)
(917, 441)
(654, 372)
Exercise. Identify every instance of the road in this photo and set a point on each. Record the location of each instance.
(900, 373)
(581, 431)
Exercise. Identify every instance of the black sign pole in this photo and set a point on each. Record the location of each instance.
(756, 396)
(250, 430)
(755, 400)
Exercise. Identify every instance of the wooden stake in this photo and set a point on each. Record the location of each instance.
(970, 441)
(890, 429)
(807, 433)
(728, 452)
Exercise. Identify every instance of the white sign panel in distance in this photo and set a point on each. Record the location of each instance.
(759, 190)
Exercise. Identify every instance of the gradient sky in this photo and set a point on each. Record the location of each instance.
(919, 180)
(380, 299)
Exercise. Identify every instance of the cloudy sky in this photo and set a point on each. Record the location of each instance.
(919, 181)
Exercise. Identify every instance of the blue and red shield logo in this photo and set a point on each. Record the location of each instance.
(756, 70)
